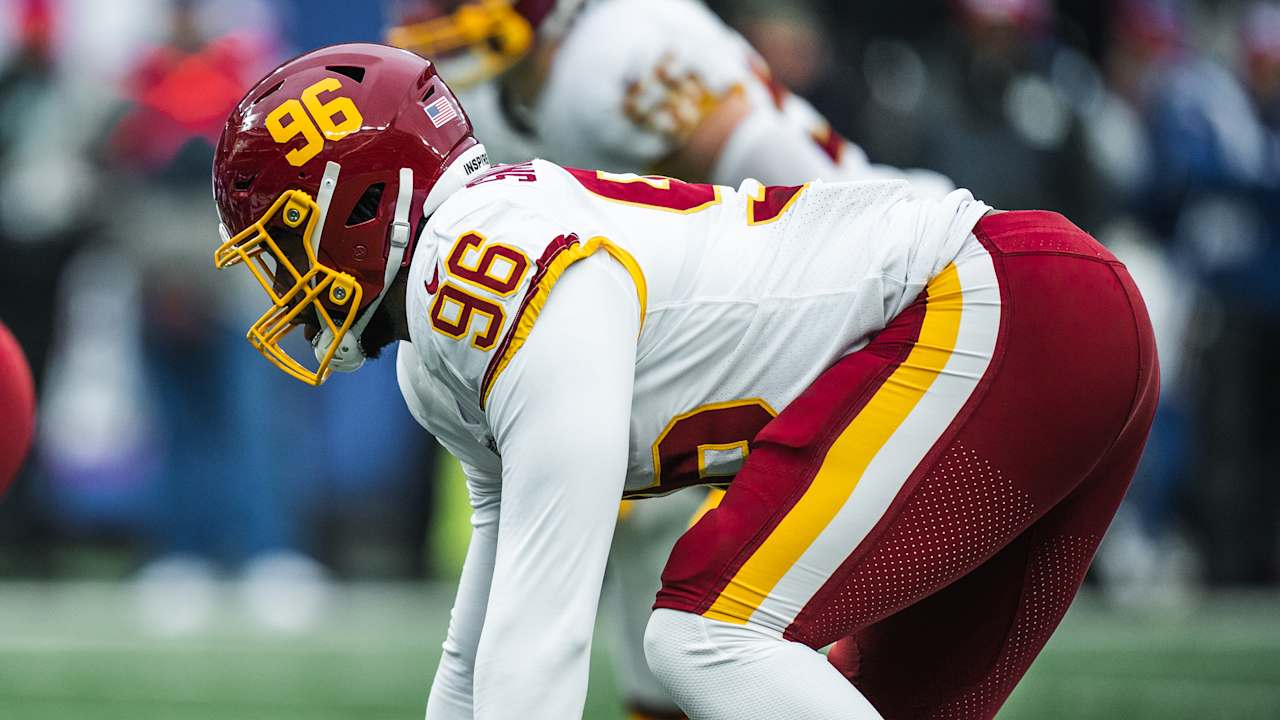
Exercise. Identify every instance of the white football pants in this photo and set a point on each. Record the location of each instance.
(718, 671)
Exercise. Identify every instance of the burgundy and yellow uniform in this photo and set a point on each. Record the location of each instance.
(845, 357)
(925, 414)
(627, 86)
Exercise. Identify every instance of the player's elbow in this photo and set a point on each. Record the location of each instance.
(573, 647)
(549, 648)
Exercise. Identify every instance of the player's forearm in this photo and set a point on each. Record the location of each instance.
(765, 146)
(453, 688)
(533, 657)
(451, 693)
(536, 668)
(696, 158)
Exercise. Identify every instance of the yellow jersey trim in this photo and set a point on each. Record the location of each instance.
(761, 195)
(538, 299)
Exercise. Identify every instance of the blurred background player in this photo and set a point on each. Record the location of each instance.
(628, 85)
(631, 86)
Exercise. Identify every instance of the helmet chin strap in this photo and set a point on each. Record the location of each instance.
(350, 355)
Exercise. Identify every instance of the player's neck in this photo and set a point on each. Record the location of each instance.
(394, 303)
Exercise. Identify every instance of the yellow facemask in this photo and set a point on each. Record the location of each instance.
(478, 41)
(308, 287)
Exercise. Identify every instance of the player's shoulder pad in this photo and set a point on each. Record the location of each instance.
(499, 245)
(495, 197)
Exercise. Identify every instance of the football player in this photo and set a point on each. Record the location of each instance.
(929, 410)
(629, 85)
(635, 86)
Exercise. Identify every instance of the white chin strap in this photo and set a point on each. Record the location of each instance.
(350, 356)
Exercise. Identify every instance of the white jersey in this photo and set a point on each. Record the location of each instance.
(578, 335)
(744, 301)
(628, 84)
(632, 78)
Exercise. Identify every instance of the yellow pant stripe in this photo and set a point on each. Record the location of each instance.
(849, 455)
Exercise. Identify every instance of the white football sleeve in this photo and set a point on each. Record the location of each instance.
(560, 414)
(777, 147)
(769, 147)
(451, 692)
(605, 104)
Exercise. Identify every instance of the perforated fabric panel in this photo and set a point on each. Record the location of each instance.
(1057, 569)
(959, 514)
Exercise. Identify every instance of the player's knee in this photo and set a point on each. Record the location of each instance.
(673, 642)
(683, 647)
(660, 646)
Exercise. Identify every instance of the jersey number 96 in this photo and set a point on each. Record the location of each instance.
(493, 269)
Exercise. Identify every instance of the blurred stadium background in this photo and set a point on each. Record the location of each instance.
(196, 536)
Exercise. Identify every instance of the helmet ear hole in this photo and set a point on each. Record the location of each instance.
(366, 208)
(243, 181)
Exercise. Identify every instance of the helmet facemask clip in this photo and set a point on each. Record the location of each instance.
(280, 251)
(346, 352)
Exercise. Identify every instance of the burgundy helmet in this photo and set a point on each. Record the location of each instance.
(476, 40)
(323, 177)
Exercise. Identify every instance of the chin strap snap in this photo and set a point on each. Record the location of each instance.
(350, 355)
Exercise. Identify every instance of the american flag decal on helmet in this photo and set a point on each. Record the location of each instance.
(441, 111)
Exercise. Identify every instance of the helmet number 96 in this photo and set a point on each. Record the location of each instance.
(313, 120)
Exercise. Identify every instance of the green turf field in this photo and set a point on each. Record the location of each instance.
(75, 651)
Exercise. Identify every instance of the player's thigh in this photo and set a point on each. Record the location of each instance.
(822, 475)
(898, 475)
(927, 653)
(779, 468)
(959, 652)
(1074, 377)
